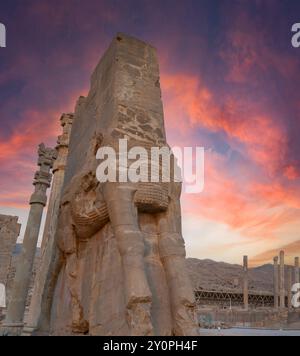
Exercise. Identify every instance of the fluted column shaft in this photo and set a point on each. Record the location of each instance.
(42, 180)
(246, 284)
(59, 166)
(289, 286)
(48, 241)
(276, 283)
(297, 280)
(281, 281)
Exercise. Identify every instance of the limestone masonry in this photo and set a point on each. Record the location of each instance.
(112, 256)
(9, 232)
(118, 262)
(14, 320)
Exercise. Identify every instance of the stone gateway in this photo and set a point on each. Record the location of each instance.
(117, 266)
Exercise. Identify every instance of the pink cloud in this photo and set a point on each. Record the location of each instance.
(264, 139)
(256, 203)
(291, 250)
(18, 155)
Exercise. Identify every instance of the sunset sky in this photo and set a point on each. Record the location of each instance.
(230, 80)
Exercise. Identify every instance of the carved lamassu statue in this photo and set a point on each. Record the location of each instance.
(120, 262)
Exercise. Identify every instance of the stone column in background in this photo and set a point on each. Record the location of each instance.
(289, 286)
(246, 284)
(276, 283)
(42, 180)
(297, 280)
(281, 281)
(51, 220)
(59, 166)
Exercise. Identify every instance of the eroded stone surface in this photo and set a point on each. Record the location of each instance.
(119, 264)
(16, 308)
(48, 240)
(9, 232)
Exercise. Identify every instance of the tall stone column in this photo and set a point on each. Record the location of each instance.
(51, 220)
(59, 166)
(289, 286)
(281, 280)
(276, 283)
(16, 308)
(297, 280)
(246, 284)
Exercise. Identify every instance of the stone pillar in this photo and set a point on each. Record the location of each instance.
(246, 284)
(281, 281)
(297, 280)
(59, 166)
(276, 283)
(51, 220)
(289, 286)
(16, 308)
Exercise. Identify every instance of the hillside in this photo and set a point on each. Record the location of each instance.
(215, 276)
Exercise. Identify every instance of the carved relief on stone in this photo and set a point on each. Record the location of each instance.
(47, 156)
(120, 265)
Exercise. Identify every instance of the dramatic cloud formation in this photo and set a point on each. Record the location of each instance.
(229, 78)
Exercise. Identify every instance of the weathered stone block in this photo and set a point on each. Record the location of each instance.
(119, 265)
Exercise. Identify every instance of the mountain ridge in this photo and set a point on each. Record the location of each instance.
(210, 275)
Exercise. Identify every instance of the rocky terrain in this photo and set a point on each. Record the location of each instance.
(220, 276)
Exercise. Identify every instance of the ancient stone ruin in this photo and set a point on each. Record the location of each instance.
(112, 259)
(21, 283)
(119, 266)
(9, 232)
(113, 256)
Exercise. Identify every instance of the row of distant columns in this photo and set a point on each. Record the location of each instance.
(279, 281)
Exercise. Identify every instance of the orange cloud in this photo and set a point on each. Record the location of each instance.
(265, 141)
(225, 200)
(291, 251)
(258, 212)
(278, 195)
(28, 133)
(18, 152)
(241, 201)
(291, 172)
